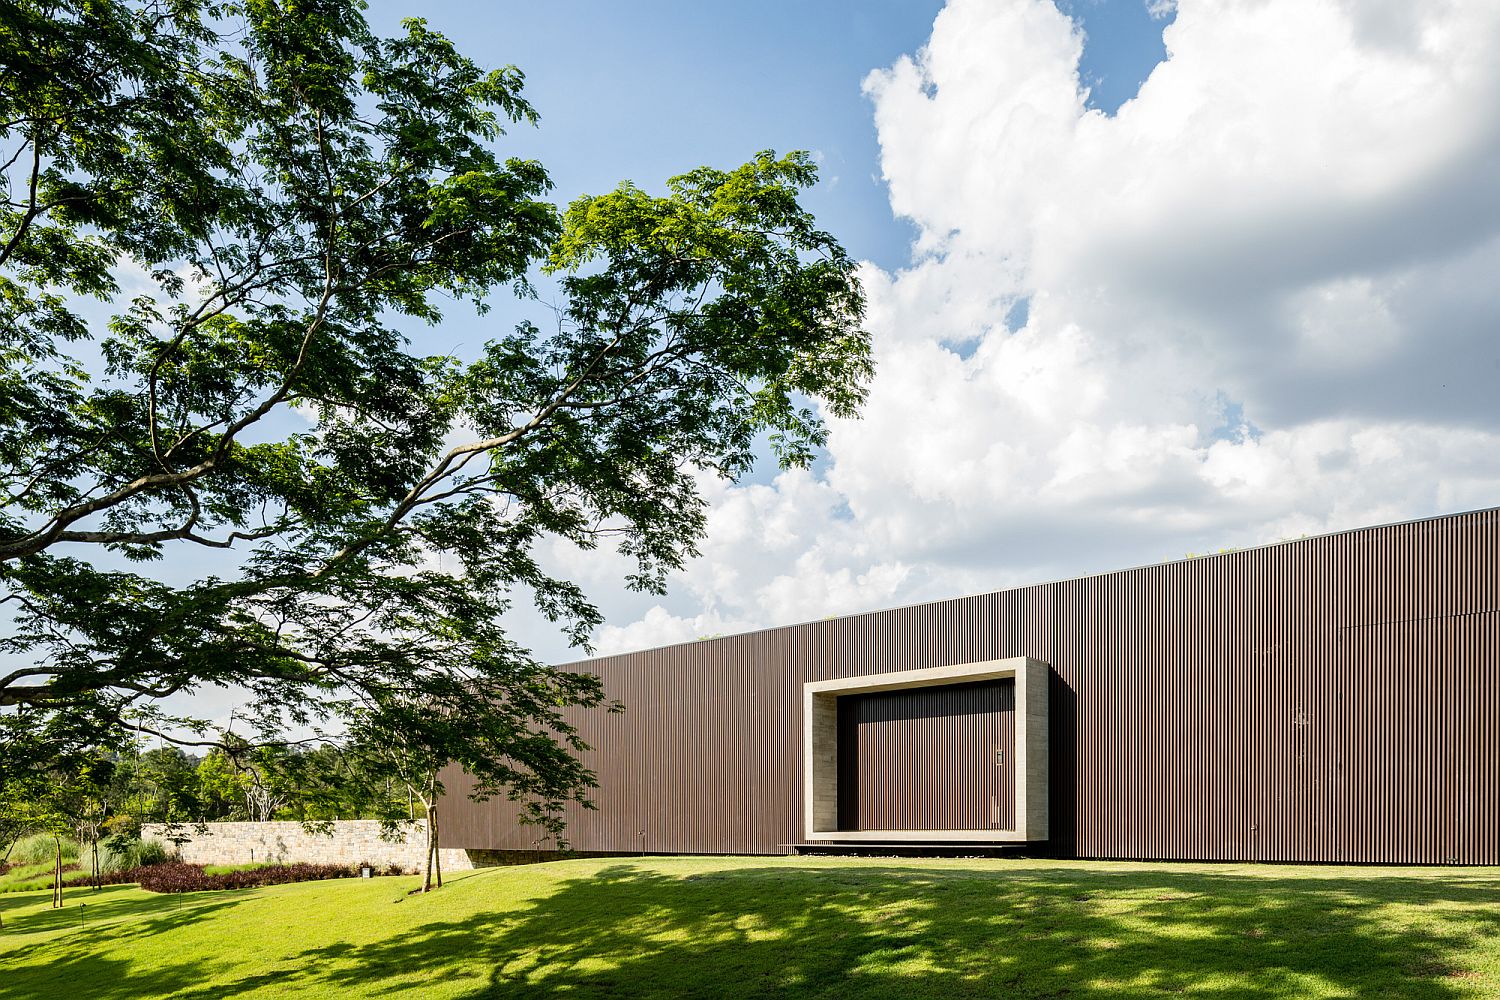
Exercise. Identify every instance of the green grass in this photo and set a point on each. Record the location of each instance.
(34, 877)
(249, 866)
(771, 927)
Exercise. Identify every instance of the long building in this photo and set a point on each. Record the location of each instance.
(1334, 698)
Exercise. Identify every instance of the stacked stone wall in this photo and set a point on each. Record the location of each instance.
(352, 842)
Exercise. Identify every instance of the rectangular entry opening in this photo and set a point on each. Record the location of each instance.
(953, 753)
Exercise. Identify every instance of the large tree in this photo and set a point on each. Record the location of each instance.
(225, 463)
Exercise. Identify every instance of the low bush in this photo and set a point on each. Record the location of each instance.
(34, 878)
(179, 877)
(175, 876)
(118, 854)
(153, 852)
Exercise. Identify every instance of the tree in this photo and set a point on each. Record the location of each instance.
(81, 796)
(70, 798)
(491, 729)
(267, 199)
(323, 783)
(267, 776)
(382, 745)
(218, 788)
(159, 785)
(12, 824)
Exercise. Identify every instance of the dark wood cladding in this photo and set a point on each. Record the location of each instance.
(926, 759)
(1329, 699)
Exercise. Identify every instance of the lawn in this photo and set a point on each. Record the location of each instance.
(793, 927)
(27, 878)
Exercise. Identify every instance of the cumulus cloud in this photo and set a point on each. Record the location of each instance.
(1259, 301)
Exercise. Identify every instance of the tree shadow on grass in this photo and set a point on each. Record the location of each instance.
(895, 931)
(116, 911)
(64, 943)
(828, 930)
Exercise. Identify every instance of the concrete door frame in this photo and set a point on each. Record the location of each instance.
(820, 749)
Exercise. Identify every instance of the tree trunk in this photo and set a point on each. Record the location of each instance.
(434, 877)
(427, 880)
(57, 874)
(94, 854)
(437, 838)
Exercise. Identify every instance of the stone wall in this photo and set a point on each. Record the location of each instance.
(355, 841)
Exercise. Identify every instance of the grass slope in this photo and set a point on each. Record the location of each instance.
(770, 927)
(27, 878)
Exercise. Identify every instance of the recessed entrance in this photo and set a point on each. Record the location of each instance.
(953, 753)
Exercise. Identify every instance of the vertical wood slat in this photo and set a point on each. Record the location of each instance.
(1326, 699)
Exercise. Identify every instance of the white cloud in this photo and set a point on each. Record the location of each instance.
(1261, 303)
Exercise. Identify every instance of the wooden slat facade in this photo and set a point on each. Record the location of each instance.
(1328, 699)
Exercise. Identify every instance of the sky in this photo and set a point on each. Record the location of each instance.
(1146, 279)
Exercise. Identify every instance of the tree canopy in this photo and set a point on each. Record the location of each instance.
(223, 224)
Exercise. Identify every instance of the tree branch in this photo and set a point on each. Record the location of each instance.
(24, 225)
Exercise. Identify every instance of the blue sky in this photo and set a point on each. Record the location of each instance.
(647, 90)
(643, 91)
(1158, 305)
(1145, 277)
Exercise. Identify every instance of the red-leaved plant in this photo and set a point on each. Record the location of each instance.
(177, 876)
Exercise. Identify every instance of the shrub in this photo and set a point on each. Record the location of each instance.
(118, 854)
(179, 877)
(117, 857)
(175, 876)
(153, 852)
(123, 825)
(40, 847)
(248, 866)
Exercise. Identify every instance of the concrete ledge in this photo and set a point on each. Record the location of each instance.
(935, 836)
(820, 749)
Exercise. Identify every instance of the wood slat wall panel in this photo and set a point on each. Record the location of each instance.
(1326, 699)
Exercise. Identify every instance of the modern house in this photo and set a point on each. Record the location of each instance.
(1334, 698)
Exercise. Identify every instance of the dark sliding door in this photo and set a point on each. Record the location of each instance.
(934, 758)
